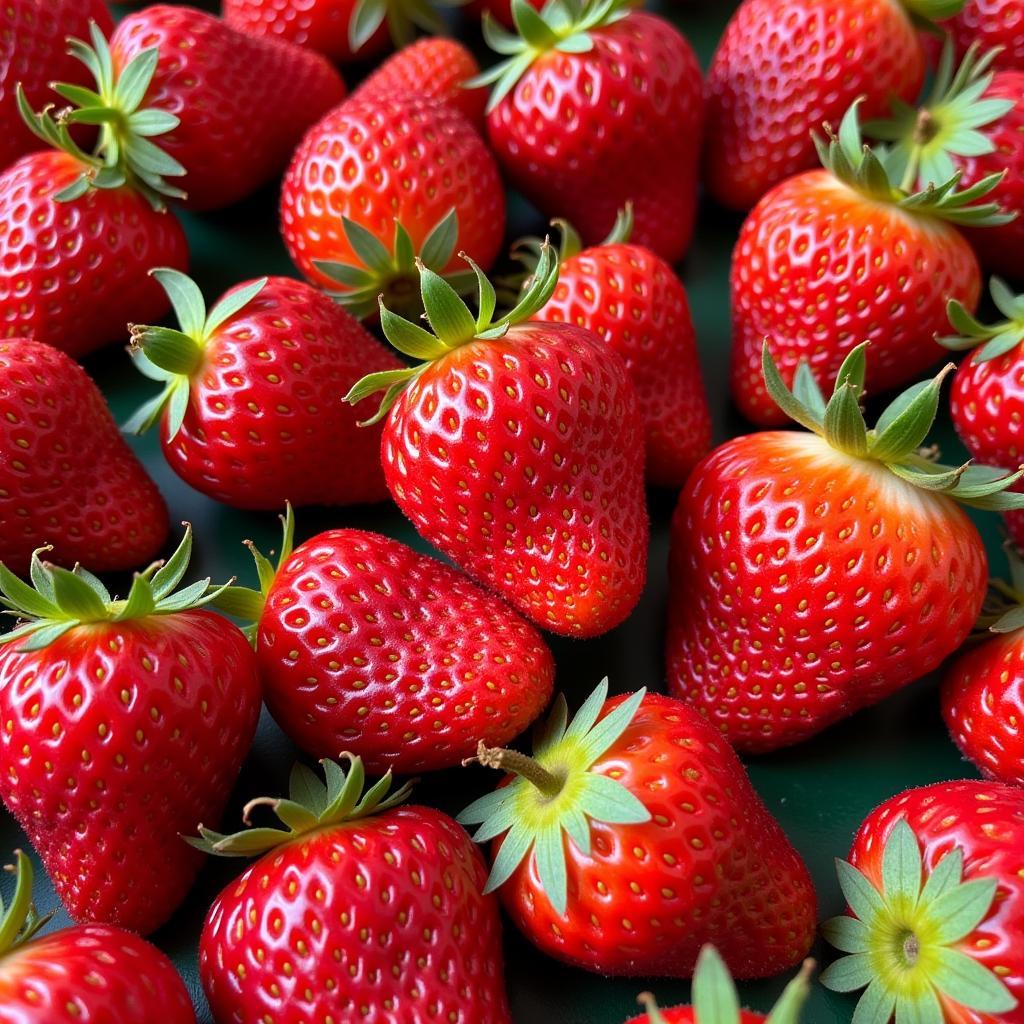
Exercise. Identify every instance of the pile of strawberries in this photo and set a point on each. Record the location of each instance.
(519, 421)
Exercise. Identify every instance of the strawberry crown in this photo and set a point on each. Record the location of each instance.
(19, 920)
(897, 437)
(402, 16)
(904, 937)
(60, 599)
(995, 339)
(924, 13)
(527, 250)
(554, 794)
(310, 805)
(173, 356)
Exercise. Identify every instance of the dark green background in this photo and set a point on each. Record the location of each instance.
(820, 791)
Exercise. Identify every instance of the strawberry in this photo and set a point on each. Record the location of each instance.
(632, 837)
(250, 409)
(360, 909)
(834, 257)
(990, 23)
(124, 721)
(433, 666)
(242, 103)
(68, 480)
(595, 105)
(935, 928)
(807, 568)
(383, 179)
(86, 973)
(517, 449)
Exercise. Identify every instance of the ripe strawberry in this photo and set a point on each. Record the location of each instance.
(251, 410)
(517, 450)
(592, 108)
(90, 972)
(832, 258)
(360, 909)
(936, 920)
(124, 721)
(68, 479)
(433, 665)
(990, 23)
(633, 837)
(813, 574)
(381, 180)
(242, 103)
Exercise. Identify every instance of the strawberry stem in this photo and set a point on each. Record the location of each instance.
(522, 765)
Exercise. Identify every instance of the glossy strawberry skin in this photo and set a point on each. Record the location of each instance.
(801, 583)
(685, 1015)
(68, 479)
(266, 422)
(521, 459)
(580, 134)
(419, 663)
(783, 68)
(991, 23)
(73, 274)
(634, 301)
(711, 866)
(818, 269)
(356, 163)
(378, 920)
(120, 737)
(243, 102)
(92, 973)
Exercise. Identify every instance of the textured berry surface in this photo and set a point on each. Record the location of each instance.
(580, 134)
(378, 920)
(991, 23)
(818, 269)
(685, 1015)
(73, 274)
(783, 68)
(67, 477)
(367, 646)
(806, 584)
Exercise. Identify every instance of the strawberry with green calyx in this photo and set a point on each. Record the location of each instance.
(516, 448)
(633, 836)
(992, 23)
(360, 901)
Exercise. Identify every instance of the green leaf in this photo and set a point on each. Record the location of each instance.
(448, 315)
(604, 733)
(514, 847)
(715, 1000)
(367, 17)
(234, 302)
(807, 392)
(852, 370)
(971, 984)
(848, 973)
(140, 600)
(901, 867)
(920, 1008)
(186, 299)
(172, 572)
(549, 854)
(297, 817)
(863, 898)
(439, 245)
(41, 635)
(848, 934)
(844, 424)
(876, 1006)
(410, 339)
(946, 875)
(22, 598)
(584, 719)
(135, 78)
(960, 910)
(175, 352)
(606, 800)
(782, 396)
(368, 248)
(76, 598)
(241, 603)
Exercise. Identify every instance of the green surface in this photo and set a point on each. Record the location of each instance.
(820, 791)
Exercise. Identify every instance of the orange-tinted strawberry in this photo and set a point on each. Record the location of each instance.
(990, 23)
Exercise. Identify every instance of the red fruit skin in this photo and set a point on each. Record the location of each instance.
(684, 1015)
(358, 161)
(67, 477)
(818, 269)
(782, 69)
(119, 738)
(33, 52)
(712, 865)
(243, 102)
(991, 23)
(387, 924)
(265, 422)
(802, 579)
(91, 973)
(580, 134)
(634, 301)
(521, 460)
(986, 820)
(109, 238)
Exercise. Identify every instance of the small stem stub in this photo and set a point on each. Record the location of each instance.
(521, 765)
(911, 949)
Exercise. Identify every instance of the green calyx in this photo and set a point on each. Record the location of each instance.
(311, 804)
(896, 438)
(994, 339)
(1004, 607)
(924, 13)
(172, 356)
(527, 250)
(453, 326)
(903, 938)
(19, 920)
(403, 17)
(555, 794)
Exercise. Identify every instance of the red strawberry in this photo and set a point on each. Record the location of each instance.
(831, 258)
(813, 574)
(596, 107)
(92, 972)
(67, 478)
(990, 23)
(430, 667)
(124, 722)
(517, 450)
(243, 103)
(251, 411)
(936, 921)
(632, 837)
(361, 909)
